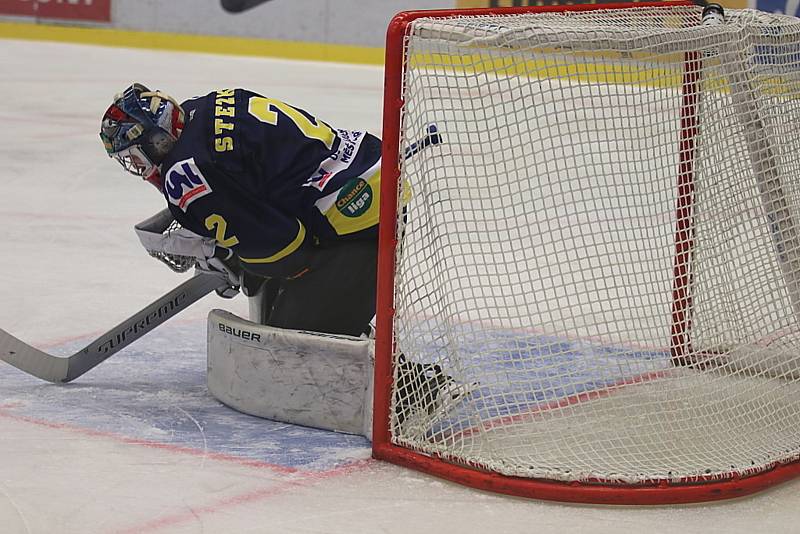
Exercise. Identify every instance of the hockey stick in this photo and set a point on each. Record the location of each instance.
(432, 137)
(65, 369)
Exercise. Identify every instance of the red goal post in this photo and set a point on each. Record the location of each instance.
(687, 276)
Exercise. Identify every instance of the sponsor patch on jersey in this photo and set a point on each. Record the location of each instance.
(337, 162)
(184, 183)
(355, 198)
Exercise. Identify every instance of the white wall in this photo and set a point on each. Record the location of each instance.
(357, 22)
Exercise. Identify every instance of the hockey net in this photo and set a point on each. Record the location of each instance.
(603, 243)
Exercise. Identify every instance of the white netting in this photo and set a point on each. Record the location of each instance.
(539, 253)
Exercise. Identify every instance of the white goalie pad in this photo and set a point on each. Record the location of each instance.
(305, 378)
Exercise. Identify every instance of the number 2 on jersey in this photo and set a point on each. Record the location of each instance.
(262, 108)
(218, 223)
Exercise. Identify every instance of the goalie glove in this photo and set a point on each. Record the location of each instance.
(224, 264)
(180, 249)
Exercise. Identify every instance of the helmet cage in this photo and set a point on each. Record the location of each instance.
(135, 160)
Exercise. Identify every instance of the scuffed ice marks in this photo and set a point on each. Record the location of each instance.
(155, 391)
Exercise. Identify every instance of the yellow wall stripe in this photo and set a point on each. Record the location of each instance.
(193, 43)
(661, 72)
(291, 247)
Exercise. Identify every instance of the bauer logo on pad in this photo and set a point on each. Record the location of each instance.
(185, 183)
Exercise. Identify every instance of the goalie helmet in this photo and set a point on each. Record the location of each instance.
(140, 128)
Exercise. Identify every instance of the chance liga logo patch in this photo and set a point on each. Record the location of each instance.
(355, 198)
(185, 183)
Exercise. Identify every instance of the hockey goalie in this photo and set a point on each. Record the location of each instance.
(285, 207)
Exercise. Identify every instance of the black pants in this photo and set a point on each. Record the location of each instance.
(337, 297)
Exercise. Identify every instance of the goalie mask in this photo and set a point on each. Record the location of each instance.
(140, 128)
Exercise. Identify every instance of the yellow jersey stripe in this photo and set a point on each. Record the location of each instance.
(291, 247)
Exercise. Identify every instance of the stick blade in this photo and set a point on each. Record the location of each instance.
(54, 369)
(32, 360)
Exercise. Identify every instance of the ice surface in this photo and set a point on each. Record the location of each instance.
(138, 445)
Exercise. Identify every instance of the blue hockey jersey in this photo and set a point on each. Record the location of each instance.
(269, 180)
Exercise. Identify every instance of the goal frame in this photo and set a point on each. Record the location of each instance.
(600, 492)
